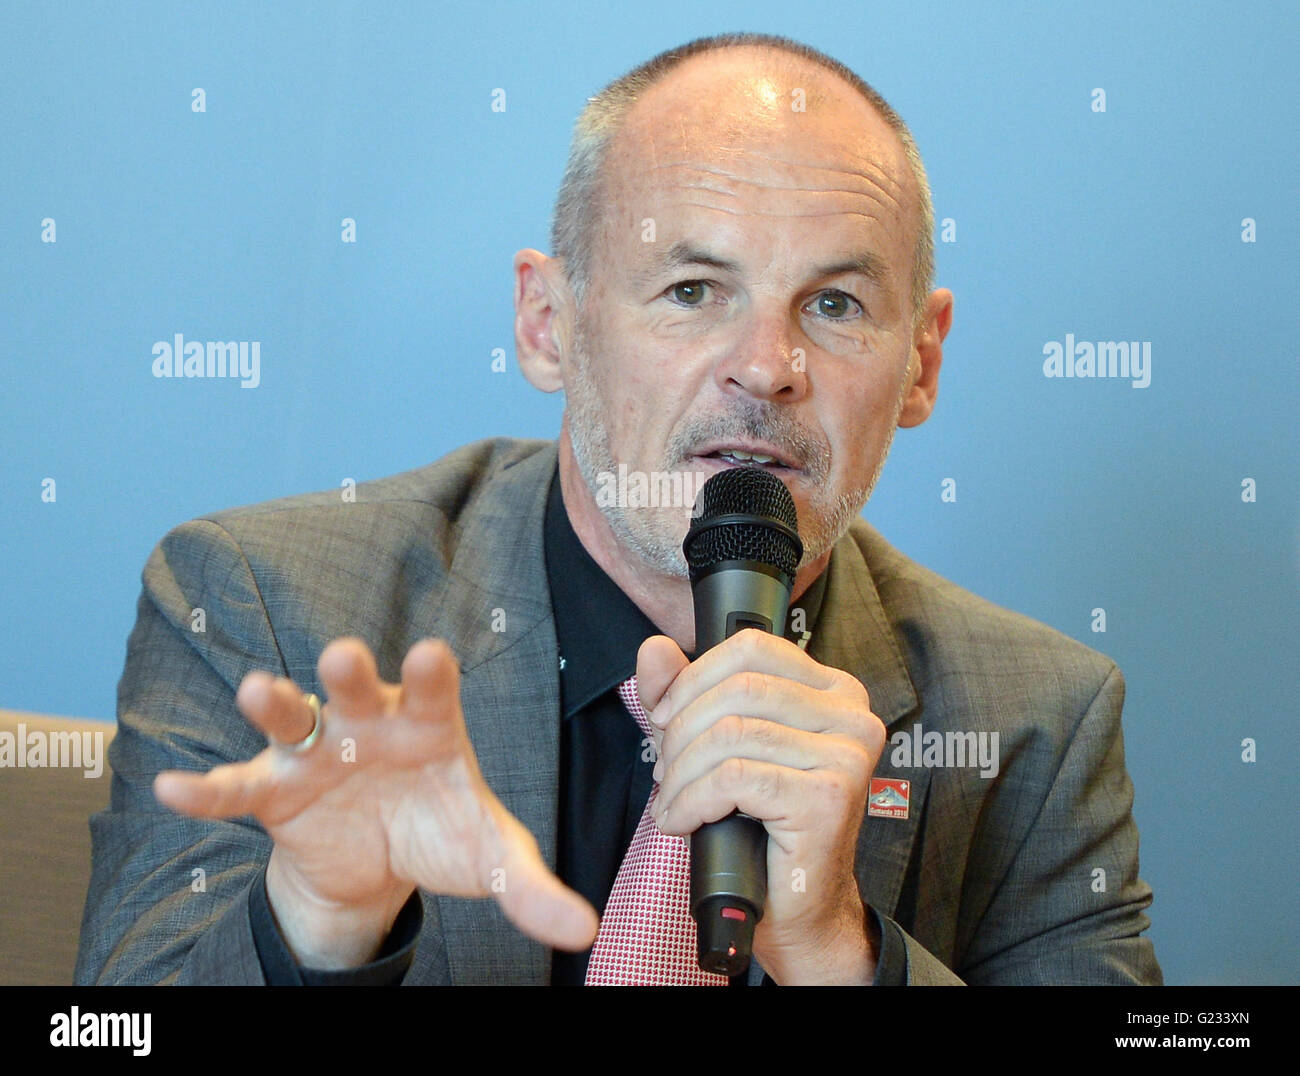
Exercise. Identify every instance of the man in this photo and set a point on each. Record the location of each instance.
(742, 278)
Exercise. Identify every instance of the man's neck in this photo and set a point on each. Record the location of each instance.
(666, 600)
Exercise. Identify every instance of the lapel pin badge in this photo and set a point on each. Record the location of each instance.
(888, 798)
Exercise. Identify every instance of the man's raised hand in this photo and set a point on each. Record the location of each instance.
(388, 797)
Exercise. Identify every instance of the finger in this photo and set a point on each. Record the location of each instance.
(351, 679)
(774, 698)
(749, 738)
(229, 791)
(430, 678)
(430, 692)
(536, 901)
(749, 650)
(658, 663)
(785, 798)
(276, 706)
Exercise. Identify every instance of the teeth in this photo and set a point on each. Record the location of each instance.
(757, 457)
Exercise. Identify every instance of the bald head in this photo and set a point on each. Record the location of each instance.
(702, 108)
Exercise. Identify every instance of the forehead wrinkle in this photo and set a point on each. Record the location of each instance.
(774, 213)
(704, 187)
(862, 166)
(869, 188)
(791, 212)
(878, 177)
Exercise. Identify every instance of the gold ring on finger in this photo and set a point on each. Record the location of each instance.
(317, 724)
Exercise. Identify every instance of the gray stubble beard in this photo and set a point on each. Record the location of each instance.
(655, 534)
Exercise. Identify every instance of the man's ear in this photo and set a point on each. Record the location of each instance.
(543, 319)
(927, 357)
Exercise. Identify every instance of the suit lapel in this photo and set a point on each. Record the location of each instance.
(495, 612)
(854, 634)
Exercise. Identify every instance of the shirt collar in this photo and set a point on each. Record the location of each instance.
(598, 628)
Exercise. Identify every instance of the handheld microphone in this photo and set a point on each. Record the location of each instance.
(742, 550)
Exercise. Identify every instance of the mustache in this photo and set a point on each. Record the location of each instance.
(758, 421)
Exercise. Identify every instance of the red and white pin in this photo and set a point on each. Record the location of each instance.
(888, 798)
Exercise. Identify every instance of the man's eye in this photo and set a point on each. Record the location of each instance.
(836, 305)
(689, 292)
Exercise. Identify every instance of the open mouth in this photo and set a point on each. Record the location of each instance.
(737, 457)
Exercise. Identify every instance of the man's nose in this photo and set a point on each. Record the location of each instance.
(766, 362)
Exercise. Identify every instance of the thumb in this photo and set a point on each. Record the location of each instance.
(535, 900)
(657, 664)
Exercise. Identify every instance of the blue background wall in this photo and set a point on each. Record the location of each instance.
(376, 356)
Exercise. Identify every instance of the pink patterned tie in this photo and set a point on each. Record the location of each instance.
(647, 936)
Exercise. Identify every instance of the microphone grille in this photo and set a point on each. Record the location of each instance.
(749, 490)
(769, 534)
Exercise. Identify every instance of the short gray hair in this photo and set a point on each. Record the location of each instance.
(604, 115)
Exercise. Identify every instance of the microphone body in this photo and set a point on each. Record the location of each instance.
(742, 549)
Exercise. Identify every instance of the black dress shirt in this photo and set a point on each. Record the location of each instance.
(605, 767)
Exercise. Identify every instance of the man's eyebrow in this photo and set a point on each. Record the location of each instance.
(865, 263)
(681, 254)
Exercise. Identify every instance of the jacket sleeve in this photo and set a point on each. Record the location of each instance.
(1071, 907)
(168, 896)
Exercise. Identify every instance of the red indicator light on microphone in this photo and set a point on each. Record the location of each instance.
(733, 913)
